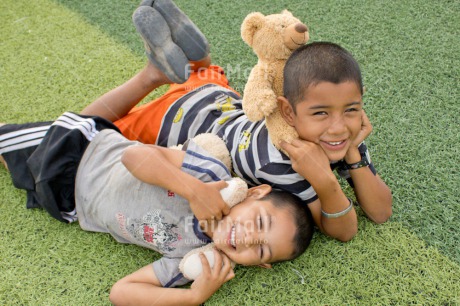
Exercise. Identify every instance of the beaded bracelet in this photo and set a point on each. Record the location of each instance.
(340, 213)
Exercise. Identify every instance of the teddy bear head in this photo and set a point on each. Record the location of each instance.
(274, 37)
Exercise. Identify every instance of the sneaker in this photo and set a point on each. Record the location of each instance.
(160, 48)
(183, 31)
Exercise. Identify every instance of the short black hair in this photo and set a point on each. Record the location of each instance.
(302, 218)
(318, 62)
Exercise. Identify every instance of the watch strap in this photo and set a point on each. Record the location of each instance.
(362, 163)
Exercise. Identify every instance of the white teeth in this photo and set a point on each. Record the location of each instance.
(232, 237)
(335, 143)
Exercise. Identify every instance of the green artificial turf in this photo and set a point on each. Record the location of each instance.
(60, 55)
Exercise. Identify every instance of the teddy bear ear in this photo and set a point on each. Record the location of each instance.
(250, 25)
(286, 12)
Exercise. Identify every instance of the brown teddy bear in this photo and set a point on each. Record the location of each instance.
(273, 38)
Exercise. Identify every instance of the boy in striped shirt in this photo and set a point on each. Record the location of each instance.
(322, 100)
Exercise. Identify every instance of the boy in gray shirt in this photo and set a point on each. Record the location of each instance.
(81, 168)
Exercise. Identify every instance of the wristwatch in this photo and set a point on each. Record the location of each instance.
(362, 163)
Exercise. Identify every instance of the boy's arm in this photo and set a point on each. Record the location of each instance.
(373, 195)
(162, 167)
(143, 287)
(309, 160)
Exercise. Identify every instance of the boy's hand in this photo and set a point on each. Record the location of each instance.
(366, 129)
(353, 155)
(207, 202)
(308, 159)
(211, 280)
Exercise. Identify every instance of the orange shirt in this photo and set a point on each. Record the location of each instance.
(143, 123)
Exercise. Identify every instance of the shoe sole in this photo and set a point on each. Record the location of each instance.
(161, 49)
(183, 31)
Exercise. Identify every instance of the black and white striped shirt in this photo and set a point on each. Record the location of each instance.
(217, 110)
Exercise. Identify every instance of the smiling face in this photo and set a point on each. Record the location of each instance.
(255, 231)
(329, 115)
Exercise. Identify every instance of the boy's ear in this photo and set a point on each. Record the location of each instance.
(265, 266)
(259, 192)
(286, 110)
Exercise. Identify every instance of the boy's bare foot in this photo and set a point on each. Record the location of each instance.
(1, 158)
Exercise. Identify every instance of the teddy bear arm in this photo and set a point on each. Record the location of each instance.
(259, 99)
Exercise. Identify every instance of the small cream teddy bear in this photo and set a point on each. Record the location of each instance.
(190, 265)
(273, 38)
(234, 193)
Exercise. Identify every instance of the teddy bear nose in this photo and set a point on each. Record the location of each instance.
(301, 28)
